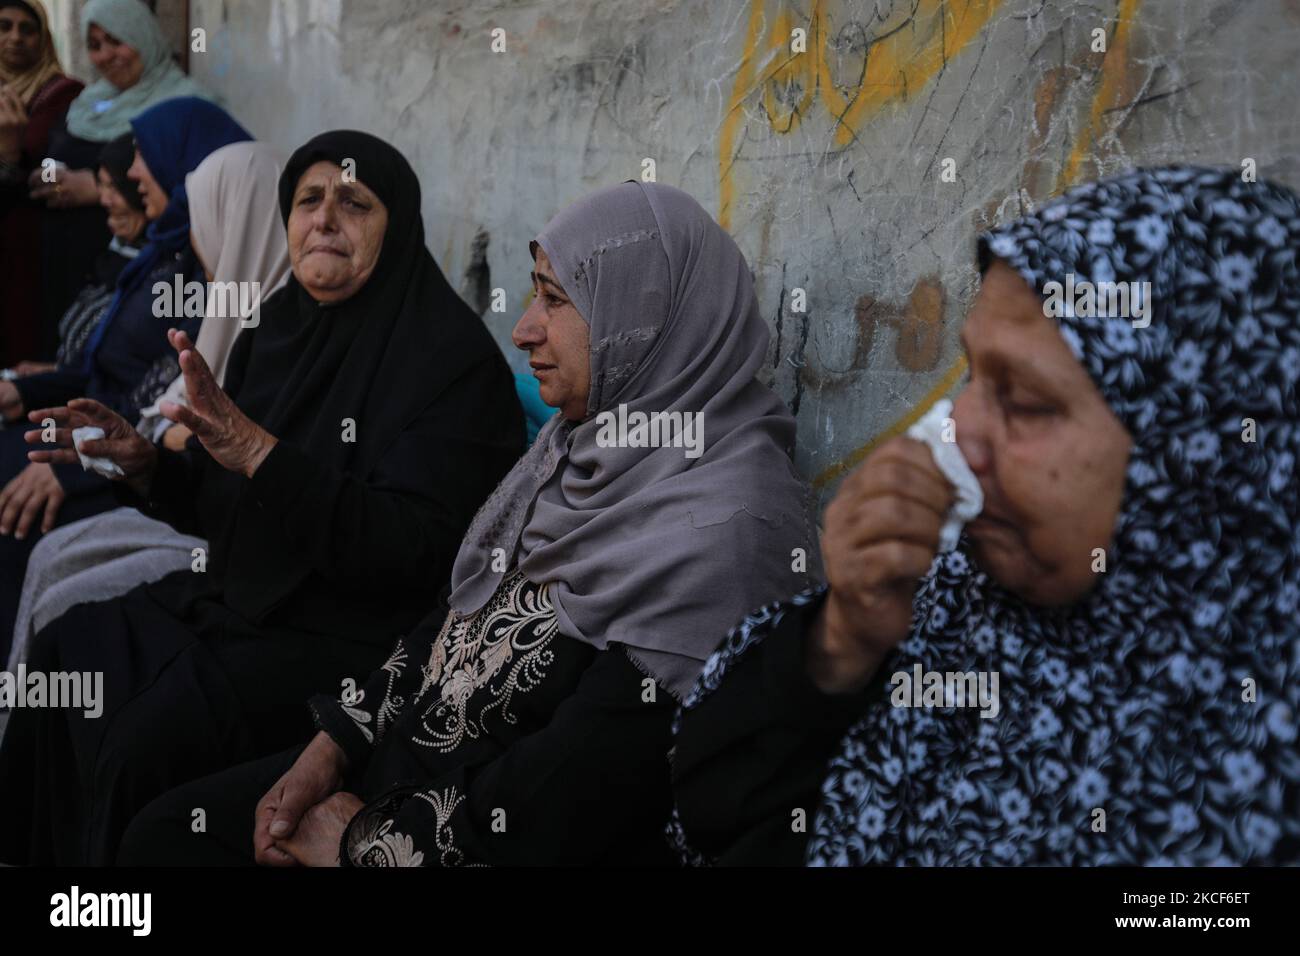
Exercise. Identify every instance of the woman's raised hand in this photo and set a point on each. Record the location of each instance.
(70, 188)
(882, 533)
(121, 444)
(233, 439)
(13, 124)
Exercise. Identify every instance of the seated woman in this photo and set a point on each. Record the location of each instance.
(126, 46)
(34, 96)
(1132, 582)
(529, 722)
(237, 235)
(127, 360)
(120, 198)
(363, 422)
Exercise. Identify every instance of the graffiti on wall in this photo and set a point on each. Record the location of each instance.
(794, 67)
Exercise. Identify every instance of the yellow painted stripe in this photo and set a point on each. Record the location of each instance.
(1114, 70)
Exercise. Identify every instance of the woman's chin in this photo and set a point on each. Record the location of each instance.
(1006, 564)
(1016, 571)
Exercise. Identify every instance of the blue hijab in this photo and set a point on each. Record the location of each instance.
(173, 137)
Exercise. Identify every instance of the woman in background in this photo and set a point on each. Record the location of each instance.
(238, 237)
(127, 222)
(127, 360)
(34, 96)
(129, 52)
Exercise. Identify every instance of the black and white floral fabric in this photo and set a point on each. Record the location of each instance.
(1156, 722)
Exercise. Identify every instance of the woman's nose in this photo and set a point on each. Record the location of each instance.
(971, 425)
(528, 332)
(324, 216)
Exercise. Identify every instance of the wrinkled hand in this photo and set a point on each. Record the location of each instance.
(122, 444)
(11, 402)
(33, 491)
(316, 775)
(233, 439)
(316, 840)
(882, 533)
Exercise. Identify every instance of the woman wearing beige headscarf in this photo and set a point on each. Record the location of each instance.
(34, 97)
(236, 230)
(244, 239)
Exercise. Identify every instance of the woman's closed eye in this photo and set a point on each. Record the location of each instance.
(1022, 403)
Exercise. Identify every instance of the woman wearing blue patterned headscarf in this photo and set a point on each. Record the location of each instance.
(1148, 688)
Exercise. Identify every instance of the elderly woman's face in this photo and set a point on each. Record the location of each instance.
(558, 343)
(124, 220)
(116, 62)
(336, 231)
(20, 39)
(1049, 454)
(155, 200)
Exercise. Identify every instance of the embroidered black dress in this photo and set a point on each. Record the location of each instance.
(341, 540)
(492, 739)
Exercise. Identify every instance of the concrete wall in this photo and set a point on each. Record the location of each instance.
(826, 165)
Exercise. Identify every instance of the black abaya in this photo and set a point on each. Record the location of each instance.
(315, 564)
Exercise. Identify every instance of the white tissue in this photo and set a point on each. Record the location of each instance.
(948, 459)
(100, 466)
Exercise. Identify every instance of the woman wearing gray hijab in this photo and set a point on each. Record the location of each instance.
(529, 721)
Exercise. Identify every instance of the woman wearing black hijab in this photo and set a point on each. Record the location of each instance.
(363, 422)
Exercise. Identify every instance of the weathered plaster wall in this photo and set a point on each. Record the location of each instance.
(825, 164)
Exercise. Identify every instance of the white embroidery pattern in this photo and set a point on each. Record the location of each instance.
(511, 634)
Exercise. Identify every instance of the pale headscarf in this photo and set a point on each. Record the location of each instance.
(237, 231)
(644, 546)
(30, 82)
(103, 112)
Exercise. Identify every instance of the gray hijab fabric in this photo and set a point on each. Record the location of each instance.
(645, 546)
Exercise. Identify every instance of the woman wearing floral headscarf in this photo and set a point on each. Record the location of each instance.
(1133, 580)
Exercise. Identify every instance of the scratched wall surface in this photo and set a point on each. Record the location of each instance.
(825, 164)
